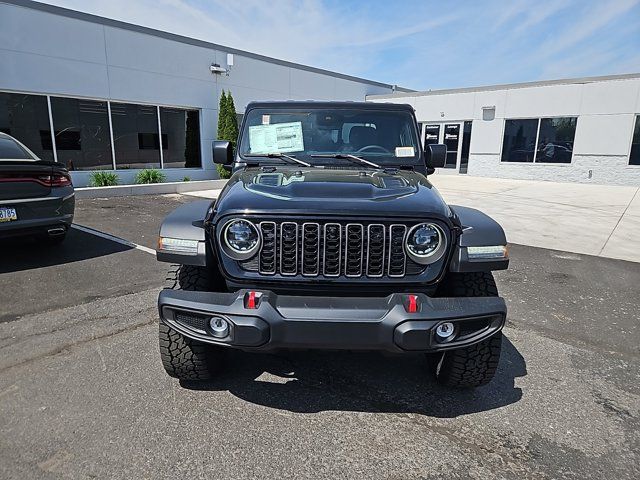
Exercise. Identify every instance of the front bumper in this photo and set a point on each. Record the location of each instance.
(281, 321)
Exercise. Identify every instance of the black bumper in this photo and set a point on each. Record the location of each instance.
(332, 323)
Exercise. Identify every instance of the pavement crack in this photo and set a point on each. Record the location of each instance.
(68, 346)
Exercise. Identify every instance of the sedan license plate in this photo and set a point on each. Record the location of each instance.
(8, 214)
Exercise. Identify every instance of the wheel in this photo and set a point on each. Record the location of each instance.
(474, 365)
(182, 357)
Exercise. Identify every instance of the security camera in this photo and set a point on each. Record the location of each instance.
(215, 68)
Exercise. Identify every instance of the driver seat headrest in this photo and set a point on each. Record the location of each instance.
(362, 136)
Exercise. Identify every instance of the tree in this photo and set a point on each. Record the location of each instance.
(227, 126)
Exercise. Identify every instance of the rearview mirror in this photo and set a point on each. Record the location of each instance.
(435, 156)
(222, 152)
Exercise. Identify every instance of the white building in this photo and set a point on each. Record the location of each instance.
(99, 94)
(580, 130)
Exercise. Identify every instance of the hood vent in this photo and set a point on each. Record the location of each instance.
(269, 179)
(394, 182)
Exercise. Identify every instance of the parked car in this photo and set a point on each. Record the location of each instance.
(36, 196)
(329, 235)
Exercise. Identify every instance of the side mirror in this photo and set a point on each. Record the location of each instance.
(222, 152)
(435, 156)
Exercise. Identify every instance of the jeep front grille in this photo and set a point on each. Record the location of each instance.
(326, 249)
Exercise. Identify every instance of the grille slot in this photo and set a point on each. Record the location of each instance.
(267, 258)
(310, 249)
(354, 250)
(397, 257)
(375, 250)
(332, 249)
(288, 248)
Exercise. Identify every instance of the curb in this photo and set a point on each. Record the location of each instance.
(149, 189)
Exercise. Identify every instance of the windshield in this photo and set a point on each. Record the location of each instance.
(382, 136)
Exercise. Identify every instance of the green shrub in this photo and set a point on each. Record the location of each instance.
(103, 179)
(186, 179)
(150, 175)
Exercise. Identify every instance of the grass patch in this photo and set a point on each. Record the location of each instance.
(150, 175)
(103, 179)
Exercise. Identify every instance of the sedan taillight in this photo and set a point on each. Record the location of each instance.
(55, 180)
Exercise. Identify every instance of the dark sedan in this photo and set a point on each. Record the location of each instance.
(36, 196)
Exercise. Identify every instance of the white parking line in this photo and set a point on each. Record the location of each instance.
(113, 238)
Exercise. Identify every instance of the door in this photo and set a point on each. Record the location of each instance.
(456, 136)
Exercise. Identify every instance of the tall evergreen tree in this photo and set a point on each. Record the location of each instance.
(222, 130)
(232, 121)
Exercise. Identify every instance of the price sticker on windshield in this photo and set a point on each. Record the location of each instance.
(405, 152)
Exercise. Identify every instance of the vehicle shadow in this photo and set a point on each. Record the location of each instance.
(310, 382)
(27, 253)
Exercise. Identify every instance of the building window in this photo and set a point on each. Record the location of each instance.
(554, 138)
(182, 145)
(634, 158)
(135, 135)
(83, 140)
(26, 118)
(519, 143)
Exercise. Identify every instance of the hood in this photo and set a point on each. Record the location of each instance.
(331, 191)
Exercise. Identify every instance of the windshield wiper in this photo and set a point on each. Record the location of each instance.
(346, 156)
(291, 159)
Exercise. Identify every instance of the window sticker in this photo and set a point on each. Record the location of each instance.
(266, 119)
(276, 138)
(405, 152)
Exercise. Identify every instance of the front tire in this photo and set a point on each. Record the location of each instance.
(182, 357)
(475, 365)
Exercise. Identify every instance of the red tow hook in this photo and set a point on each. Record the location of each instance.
(252, 300)
(412, 306)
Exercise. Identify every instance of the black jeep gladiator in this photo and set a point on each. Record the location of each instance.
(329, 235)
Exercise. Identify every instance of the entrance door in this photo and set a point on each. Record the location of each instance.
(456, 136)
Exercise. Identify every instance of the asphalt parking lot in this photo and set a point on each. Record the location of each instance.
(83, 393)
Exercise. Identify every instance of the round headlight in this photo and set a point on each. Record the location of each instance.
(425, 243)
(241, 239)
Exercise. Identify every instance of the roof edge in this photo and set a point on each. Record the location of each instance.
(510, 86)
(89, 17)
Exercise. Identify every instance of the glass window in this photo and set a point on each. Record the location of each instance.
(26, 118)
(83, 140)
(311, 133)
(10, 149)
(634, 158)
(555, 140)
(451, 140)
(432, 134)
(135, 135)
(180, 137)
(519, 140)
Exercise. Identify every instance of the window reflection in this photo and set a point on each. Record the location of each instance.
(135, 135)
(182, 145)
(519, 140)
(555, 140)
(26, 118)
(634, 158)
(83, 139)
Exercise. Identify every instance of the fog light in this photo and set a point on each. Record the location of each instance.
(445, 331)
(219, 327)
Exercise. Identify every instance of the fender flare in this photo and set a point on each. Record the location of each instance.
(478, 230)
(186, 223)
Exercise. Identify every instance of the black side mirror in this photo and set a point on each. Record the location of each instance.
(435, 156)
(222, 152)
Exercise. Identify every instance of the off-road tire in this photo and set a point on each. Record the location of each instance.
(182, 357)
(474, 365)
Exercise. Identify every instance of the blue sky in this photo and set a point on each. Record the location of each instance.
(422, 44)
